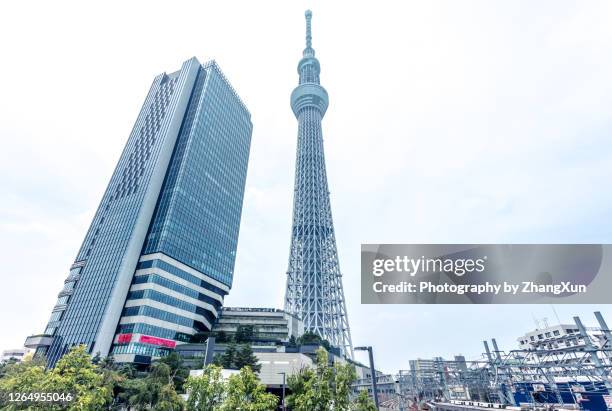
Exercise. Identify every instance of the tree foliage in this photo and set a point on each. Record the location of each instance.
(74, 373)
(237, 357)
(222, 337)
(244, 333)
(178, 371)
(22, 377)
(244, 392)
(292, 342)
(322, 388)
(108, 385)
(313, 338)
(226, 360)
(363, 402)
(206, 392)
(168, 399)
(155, 391)
(246, 358)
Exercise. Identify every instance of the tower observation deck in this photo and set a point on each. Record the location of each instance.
(314, 282)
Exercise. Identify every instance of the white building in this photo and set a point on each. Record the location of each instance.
(558, 337)
(16, 354)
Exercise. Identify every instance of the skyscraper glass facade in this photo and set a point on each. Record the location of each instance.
(158, 258)
(201, 200)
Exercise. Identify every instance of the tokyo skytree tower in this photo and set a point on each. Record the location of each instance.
(314, 282)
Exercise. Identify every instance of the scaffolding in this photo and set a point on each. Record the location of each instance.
(564, 370)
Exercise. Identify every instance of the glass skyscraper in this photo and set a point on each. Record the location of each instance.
(159, 255)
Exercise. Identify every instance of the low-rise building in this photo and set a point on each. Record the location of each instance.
(16, 354)
(264, 329)
(269, 326)
(561, 336)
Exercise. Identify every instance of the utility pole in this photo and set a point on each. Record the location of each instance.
(373, 371)
(283, 397)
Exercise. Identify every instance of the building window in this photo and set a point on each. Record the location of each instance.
(62, 300)
(56, 316)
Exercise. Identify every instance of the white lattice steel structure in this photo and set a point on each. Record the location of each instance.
(314, 282)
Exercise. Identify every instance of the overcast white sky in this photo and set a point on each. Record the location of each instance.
(449, 121)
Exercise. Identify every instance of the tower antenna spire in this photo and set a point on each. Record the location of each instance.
(308, 15)
(314, 290)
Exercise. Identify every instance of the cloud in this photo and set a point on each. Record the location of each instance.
(472, 122)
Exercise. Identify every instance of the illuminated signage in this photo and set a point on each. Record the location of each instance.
(147, 339)
(124, 338)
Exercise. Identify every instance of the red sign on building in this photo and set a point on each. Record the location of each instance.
(147, 339)
(124, 338)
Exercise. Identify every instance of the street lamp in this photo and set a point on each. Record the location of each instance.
(372, 370)
(283, 397)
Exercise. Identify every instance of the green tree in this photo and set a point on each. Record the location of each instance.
(237, 357)
(292, 342)
(168, 399)
(322, 388)
(127, 370)
(75, 373)
(96, 358)
(313, 338)
(309, 338)
(5, 366)
(245, 358)
(344, 377)
(137, 394)
(207, 391)
(363, 402)
(113, 375)
(217, 360)
(26, 376)
(244, 333)
(245, 393)
(107, 363)
(155, 391)
(92, 386)
(178, 371)
(162, 381)
(302, 397)
(222, 337)
(228, 358)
